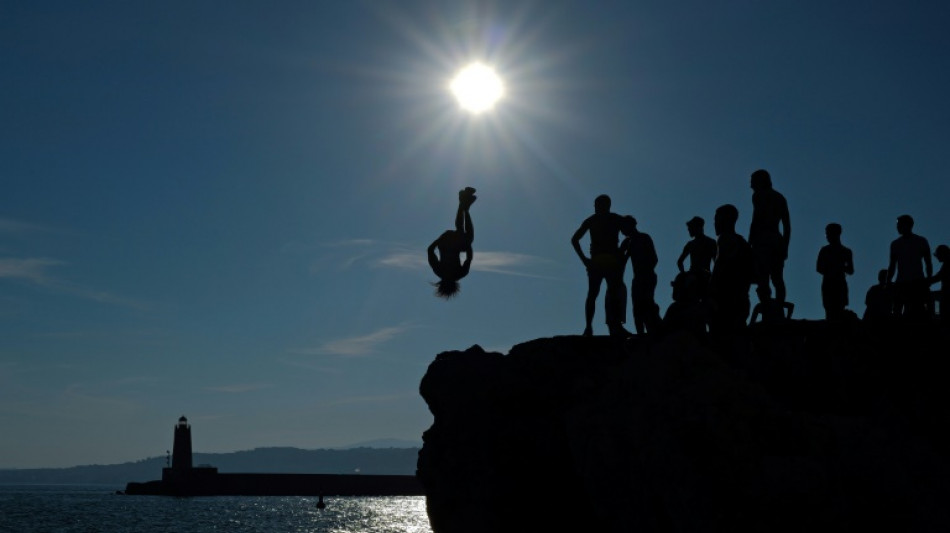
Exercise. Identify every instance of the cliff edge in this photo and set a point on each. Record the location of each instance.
(801, 426)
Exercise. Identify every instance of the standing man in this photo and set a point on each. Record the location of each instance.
(701, 251)
(731, 275)
(835, 263)
(638, 248)
(910, 255)
(604, 263)
(769, 244)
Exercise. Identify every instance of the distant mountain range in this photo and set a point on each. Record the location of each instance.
(366, 458)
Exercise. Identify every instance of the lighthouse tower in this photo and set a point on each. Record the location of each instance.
(181, 478)
(181, 452)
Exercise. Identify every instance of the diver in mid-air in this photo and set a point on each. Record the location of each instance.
(448, 264)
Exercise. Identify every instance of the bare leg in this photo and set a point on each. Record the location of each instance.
(463, 220)
(469, 228)
(593, 289)
(460, 219)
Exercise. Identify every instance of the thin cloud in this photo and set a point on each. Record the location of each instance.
(16, 227)
(509, 263)
(35, 271)
(239, 388)
(381, 399)
(343, 255)
(361, 345)
(407, 260)
(346, 254)
(322, 368)
(351, 242)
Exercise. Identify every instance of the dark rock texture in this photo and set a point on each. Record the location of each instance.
(803, 426)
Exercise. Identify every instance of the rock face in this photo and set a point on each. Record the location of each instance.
(802, 426)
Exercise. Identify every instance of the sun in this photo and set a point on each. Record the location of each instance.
(477, 88)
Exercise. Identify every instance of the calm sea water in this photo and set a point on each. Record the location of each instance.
(94, 509)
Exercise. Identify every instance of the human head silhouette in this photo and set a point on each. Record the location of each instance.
(764, 292)
(942, 253)
(905, 223)
(882, 276)
(602, 204)
(761, 180)
(833, 232)
(628, 225)
(725, 220)
(695, 226)
(446, 288)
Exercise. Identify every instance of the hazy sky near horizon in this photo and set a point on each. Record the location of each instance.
(221, 209)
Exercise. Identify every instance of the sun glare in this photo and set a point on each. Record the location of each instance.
(477, 88)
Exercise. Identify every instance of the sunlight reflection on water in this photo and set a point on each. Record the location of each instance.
(28, 509)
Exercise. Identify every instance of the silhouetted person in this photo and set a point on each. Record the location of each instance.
(638, 248)
(942, 253)
(688, 312)
(878, 302)
(732, 273)
(701, 252)
(771, 310)
(834, 264)
(769, 244)
(909, 257)
(605, 263)
(615, 300)
(448, 265)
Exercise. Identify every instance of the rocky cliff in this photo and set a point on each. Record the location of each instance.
(801, 426)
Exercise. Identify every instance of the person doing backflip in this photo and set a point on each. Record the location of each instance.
(448, 265)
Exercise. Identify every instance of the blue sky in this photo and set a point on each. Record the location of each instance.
(221, 209)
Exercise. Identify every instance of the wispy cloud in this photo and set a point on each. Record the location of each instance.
(403, 259)
(381, 399)
(36, 271)
(350, 253)
(17, 227)
(309, 364)
(509, 263)
(239, 388)
(33, 269)
(359, 345)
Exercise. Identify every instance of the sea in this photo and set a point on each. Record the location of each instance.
(98, 508)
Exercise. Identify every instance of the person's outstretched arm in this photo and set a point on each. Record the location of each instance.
(652, 258)
(927, 262)
(891, 263)
(434, 259)
(467, 265)
(682, 258)
(786, 228)
(576, 243)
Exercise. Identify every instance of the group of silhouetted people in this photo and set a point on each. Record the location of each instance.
(713, 293)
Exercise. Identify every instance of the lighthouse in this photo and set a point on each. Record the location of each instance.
(181, 452)
(182, 478)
